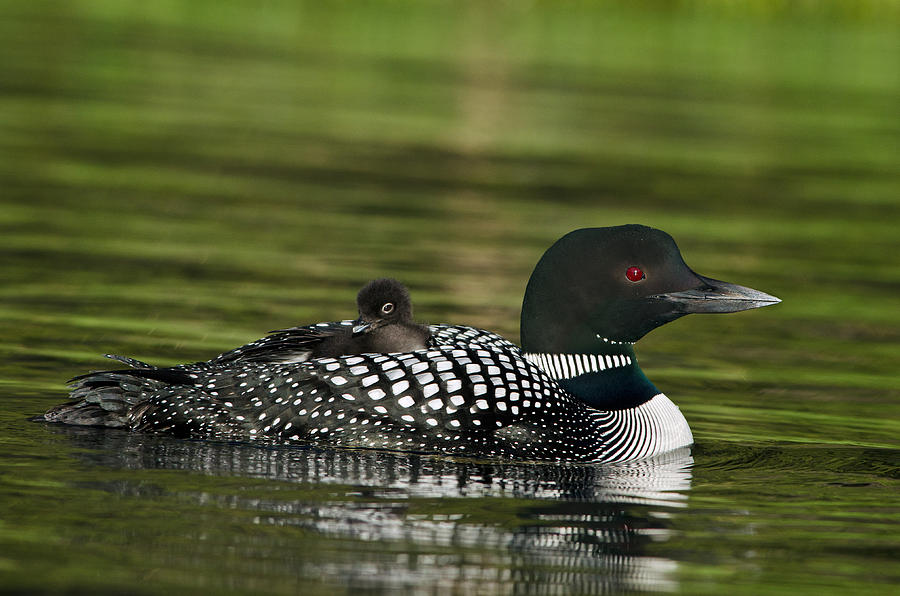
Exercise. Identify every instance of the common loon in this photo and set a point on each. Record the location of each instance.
(572, 392)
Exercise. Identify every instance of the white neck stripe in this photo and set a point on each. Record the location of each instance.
(566, 366)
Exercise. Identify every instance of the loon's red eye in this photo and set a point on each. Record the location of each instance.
(634, 274)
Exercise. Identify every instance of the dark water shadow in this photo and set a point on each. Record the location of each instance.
(527, 528)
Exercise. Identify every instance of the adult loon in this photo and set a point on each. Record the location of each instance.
(573, 392)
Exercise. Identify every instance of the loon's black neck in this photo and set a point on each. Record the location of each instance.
(606, 377)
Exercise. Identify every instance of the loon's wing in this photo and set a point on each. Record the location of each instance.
(456, 401)
(463, 336)
(132, 362)
(294, 344)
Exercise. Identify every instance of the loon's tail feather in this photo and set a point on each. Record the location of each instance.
(112, 398)
(156, 400)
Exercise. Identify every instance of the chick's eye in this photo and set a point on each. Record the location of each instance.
(387, 308)
(634, 274)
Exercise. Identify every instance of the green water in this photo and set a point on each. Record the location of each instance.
(176, 179)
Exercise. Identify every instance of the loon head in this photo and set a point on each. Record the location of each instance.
(382, 302)
(614, 285)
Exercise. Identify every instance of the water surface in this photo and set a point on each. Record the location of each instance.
(177, 179)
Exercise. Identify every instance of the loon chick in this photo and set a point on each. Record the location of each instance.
(385, 324)
(573, 392)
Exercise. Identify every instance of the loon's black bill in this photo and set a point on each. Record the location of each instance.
(718, 296)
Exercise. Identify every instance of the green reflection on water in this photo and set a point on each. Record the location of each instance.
(178, 178)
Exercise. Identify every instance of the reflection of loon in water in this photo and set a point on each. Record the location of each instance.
(550, 529)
